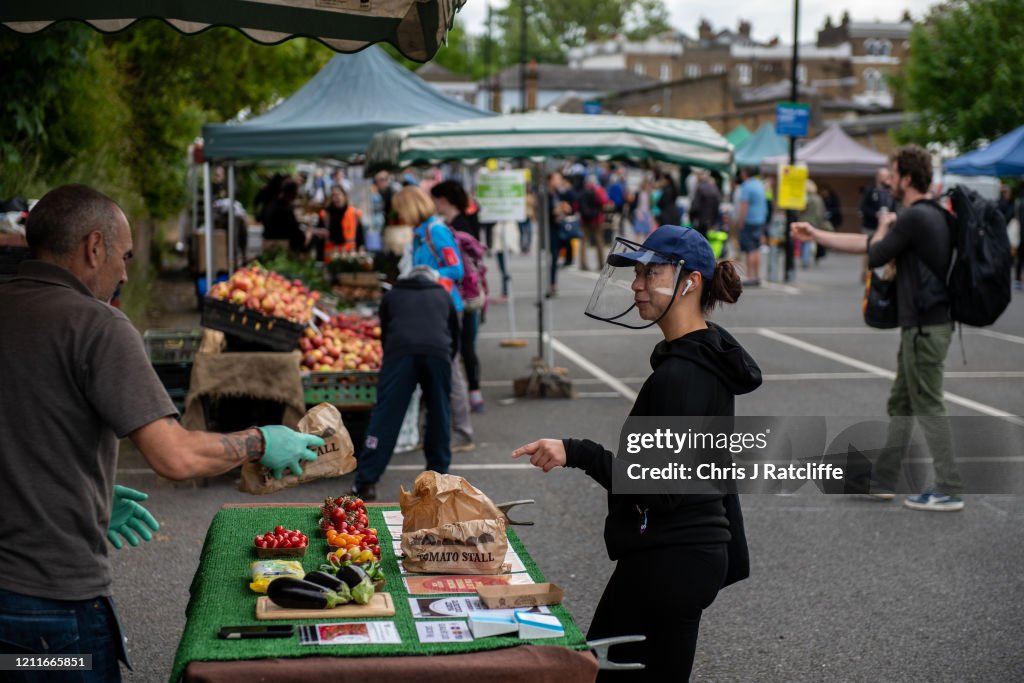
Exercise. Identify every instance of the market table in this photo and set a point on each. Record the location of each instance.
(220, 596)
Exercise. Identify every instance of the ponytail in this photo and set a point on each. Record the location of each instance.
(724, 288)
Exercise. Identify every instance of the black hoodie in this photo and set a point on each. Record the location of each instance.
(698, 374)
(417, 317)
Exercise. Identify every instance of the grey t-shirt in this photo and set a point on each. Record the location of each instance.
(75, 378)
(920, 241)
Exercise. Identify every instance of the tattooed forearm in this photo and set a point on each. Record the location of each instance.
(243, 446)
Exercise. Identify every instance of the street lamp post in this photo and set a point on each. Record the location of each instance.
(794, 96)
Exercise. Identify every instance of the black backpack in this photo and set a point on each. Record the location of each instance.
(978, 283)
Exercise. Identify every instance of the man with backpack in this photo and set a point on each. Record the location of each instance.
(920, 240)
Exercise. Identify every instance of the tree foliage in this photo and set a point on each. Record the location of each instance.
(965, 73)
(119, 111)
(555, 27)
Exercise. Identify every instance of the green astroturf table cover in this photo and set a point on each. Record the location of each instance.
(220, 594)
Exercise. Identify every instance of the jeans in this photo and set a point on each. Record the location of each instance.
(525, 235)
(38, 626)
(917, 391)
(398, 377)
(467, 347)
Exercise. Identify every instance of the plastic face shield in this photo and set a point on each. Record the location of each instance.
(636, 287)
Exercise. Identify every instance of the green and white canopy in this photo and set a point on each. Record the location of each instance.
(415, 27)
(543, 135)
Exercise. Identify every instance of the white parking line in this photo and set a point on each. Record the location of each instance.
(1000, 335)
(889, 374)
(579, 360)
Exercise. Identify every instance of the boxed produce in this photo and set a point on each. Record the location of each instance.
(520, 595)
(335, 458)
(450, 527)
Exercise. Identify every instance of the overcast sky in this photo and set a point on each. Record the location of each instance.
(768, 18)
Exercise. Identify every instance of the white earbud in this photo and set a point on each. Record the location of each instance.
(689, 283)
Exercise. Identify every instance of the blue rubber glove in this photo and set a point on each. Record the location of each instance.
(128, 518)
(285, 447)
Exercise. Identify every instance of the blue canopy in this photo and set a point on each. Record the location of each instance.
(764, 143)
(337, 112)
(1004, 157)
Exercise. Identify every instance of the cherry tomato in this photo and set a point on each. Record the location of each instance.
(272, 544)
(376, 550)
(278, 529)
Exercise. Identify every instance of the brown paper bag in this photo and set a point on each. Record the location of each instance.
(474, 547)
(335, 458)
(450, 527)
(438, 499)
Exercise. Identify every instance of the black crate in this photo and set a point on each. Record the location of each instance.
(260, 332)
(172, 345)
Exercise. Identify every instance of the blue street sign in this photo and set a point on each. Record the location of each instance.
(792, 119)
(592, 107)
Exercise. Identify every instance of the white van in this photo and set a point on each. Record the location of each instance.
(986, 186)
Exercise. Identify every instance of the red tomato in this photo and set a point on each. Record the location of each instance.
(272, 544)
(301, 543)
(359, 502)
(278, 529)
(376, 550)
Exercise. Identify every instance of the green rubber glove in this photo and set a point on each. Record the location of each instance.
(128, 518)
(285, 447)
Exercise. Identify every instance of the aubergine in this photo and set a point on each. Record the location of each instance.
(352, 575)
(328, 581)
(293, 593)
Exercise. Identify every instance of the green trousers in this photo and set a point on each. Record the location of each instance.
(917, 392)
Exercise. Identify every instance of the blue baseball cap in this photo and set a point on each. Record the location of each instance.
(671, 244)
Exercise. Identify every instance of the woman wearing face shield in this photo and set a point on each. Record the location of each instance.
(673, 552)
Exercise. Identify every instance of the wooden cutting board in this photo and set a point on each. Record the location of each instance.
(380, 606)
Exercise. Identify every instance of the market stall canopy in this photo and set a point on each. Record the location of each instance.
(738, 135)
(545, 135)
(833, 153)
(1004, 157)
(416, 28)
(337, 112)
(764, 143)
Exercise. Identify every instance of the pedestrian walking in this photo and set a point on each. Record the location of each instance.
(673, 552)
(705, 213)
(451, 201)
(76, 380)
(813, 213)
(419, 330)
(434, 245)
(875, 205)
(751, 219)
(919, 240)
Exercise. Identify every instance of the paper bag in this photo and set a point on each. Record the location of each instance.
(450, 527)
(474, 547)
(335, 458)
(438, 499)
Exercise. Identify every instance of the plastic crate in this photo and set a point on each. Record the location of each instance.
(172, 345)
(273, 334)
(346, 389)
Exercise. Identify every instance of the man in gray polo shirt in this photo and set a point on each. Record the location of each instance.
(75, 379)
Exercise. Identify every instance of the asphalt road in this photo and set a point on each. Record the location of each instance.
(841, 588)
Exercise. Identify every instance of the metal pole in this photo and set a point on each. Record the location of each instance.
(523, 12)
(489, 60)
(231, 217)
(542, 249)
(794, 97)
(208, 228)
